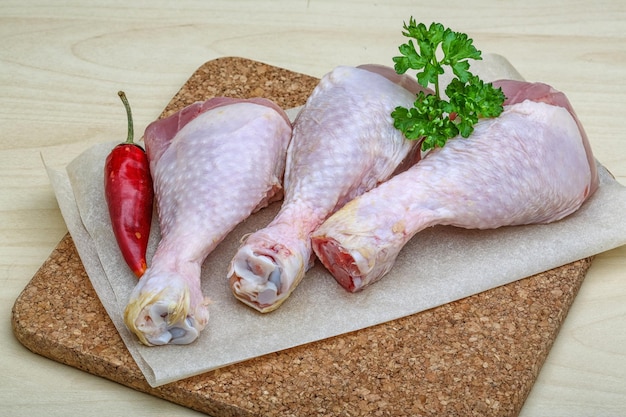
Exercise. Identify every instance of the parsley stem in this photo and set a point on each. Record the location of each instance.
(436, 64)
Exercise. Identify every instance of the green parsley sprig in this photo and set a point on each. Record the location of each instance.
(432, 119)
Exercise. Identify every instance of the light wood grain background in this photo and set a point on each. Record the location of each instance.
(62, 63)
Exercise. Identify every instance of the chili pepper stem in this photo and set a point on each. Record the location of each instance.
(129, 138)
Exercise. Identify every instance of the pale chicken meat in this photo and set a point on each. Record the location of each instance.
(531, 165)
(343, 144)
(213, 164)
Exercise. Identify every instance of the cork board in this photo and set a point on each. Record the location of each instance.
(476, 356)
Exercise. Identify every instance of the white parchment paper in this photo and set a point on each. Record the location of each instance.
(439, 265)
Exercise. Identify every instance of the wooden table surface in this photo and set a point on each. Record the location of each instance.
(62, 65)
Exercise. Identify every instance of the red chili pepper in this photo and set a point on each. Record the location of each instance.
(129, 196)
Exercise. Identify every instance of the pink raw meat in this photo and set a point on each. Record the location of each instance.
(532, 164)
(213, 164)
(343, 144)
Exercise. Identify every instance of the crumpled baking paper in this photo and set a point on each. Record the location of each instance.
(439, 265)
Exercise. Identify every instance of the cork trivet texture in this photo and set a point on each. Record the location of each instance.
(478, 356)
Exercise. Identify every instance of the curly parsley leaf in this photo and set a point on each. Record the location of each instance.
(428, 121)
(432, 119)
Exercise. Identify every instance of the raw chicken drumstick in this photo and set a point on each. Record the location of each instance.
(532, 164)
(343, 144)
(213, 164)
